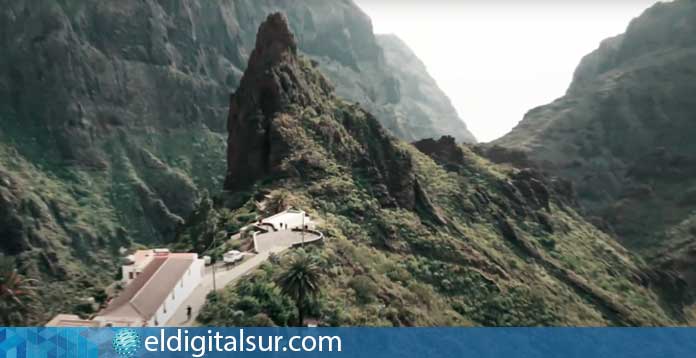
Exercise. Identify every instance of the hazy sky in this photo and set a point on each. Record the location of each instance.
(498, 59)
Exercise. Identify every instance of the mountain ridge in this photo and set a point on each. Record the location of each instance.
(622, 134)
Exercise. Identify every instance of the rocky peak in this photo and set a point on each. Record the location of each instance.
(274, 79)
(273, 76)
(274, 42)
(286, 122)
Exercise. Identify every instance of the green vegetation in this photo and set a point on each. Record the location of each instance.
(637, 86)
(415, 240)
(412, 239)
(256, 301)
(17, 294)
(65, 222)
(208, 229)
(390, 266)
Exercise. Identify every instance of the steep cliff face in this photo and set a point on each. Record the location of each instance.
(624, 134)
(438, 236)
(112, 115)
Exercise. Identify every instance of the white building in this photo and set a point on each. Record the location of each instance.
(288, 220)
(158, 283)
(136, 263)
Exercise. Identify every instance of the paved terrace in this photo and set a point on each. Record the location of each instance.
(283, 239)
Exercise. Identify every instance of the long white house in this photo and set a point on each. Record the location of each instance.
(158, 283)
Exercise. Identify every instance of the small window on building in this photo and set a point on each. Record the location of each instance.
(130, 275)
(181, 283)
(164, 308)
(173, 295)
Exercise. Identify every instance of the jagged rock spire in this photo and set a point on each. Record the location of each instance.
(274, 79)
(274, 41)
(269, 136)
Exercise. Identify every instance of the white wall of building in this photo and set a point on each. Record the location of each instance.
(293, 219)
(127, 273)
(130, 272)
(190, 280)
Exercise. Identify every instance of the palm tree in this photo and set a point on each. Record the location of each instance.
(300, 280)
(15, 293)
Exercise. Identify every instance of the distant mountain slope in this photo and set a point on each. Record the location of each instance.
(424, 235)
(424, 111)
(624, 133)
(112, 117)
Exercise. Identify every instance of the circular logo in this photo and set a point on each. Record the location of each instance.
(126, 343)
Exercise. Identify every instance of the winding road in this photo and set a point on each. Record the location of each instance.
(266, 243)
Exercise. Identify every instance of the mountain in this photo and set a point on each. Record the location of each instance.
(424, 234)
(623, 133)
(112, 119)
(424, 111)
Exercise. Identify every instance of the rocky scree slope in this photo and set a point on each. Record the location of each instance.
(436, 236)
(623, 133)
(112, 119)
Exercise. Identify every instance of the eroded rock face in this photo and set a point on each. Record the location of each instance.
(274, 79)
(276, 91)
